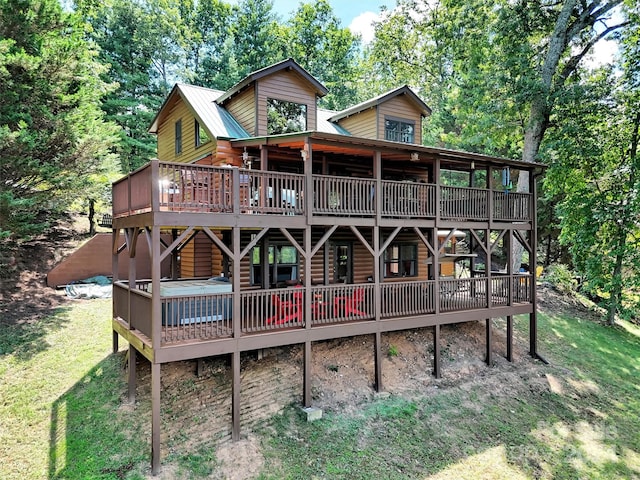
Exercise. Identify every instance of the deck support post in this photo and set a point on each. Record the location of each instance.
(489, 356)
(114, 341)
(533, 316)
(132, 374)
(510, 338)
(235, 396)
(306, 396)
(199, 367)
(155, 418)
(377, 342)
(436, 351)
(115, 233)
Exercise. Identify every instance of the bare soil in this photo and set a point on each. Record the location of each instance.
(196, 410)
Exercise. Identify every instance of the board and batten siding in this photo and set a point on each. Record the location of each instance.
(362, 124)
(243, 109)
(287, 86)
(167, 136)
(400, 108)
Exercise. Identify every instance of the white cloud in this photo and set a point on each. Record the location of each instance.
(363, 25)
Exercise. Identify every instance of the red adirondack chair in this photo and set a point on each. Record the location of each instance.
(349, 305)
(286, 310)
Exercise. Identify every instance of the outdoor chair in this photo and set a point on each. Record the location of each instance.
(349, 305)
(286, 310)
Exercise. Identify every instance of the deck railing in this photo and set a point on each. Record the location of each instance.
(201, 188)
(343, 196)
(408, 199)
(211, 316)
(460, 203)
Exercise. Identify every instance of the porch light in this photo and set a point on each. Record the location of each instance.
(246, 160)
(304, 154)
(415, 157)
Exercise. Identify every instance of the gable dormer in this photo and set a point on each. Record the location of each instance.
(281, 98)
(395, 116)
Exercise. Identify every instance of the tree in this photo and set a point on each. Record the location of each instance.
(53, 136)
(597, 172)
(314, 38)
(128, 44)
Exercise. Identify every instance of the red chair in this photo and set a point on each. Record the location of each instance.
(286, 310)
(349, 305)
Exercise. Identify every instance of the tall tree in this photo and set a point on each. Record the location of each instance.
(52, 133)
(123, 31)
(315, 39)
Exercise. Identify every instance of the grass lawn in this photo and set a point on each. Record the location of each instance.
(63, 414)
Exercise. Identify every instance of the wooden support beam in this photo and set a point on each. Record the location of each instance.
(364, 242)
(132, 374)
(199, 367)
(235, 396)
(293, 242)
(115, 341)
(175, 243)
(377, 346)
(155, 418)
(323, 240)
(424, 240)
(489, 356)
(436, 351)
(214, 238)
(306, 395)
(389, 239)
(510, 338)
(495, 244)
(253, 242)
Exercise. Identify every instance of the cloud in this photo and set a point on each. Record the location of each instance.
(363, 25)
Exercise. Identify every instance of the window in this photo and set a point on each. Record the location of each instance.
(401, 260)
(178, 141)
(201, 134)
(397, 130)
(285, 117)
(283, 264)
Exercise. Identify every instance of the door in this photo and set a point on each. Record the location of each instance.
(343, 263)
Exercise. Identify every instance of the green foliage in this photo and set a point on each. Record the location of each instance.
(561, 277)
(53, 138)
(393, 351)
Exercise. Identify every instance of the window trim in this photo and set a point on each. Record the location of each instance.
(306, 114)
(400, 261)
(402, 122)
(178, 137)
(198, 142)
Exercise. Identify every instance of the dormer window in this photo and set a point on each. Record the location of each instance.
(285, 117)
(399, 130)
(202, 136)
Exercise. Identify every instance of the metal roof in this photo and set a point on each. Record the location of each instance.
(202, 103)
(326, 126)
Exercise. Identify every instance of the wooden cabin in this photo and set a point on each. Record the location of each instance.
(290, 224)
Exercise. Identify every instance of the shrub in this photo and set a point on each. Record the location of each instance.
(561, 278)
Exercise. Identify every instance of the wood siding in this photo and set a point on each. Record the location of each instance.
(400, 108)
(227, 155)
(362, 124)
(196, 258)
(178, 110)
(243, 109)
(287, 86)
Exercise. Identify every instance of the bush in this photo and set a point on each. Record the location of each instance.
(561, 278)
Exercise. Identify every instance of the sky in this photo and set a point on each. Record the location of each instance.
(357, 15)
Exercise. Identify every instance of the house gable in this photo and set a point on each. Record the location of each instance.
(284, 82)
(367, 119)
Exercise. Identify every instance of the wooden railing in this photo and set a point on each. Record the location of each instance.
(407, 298)
(459, 203)
(199, 188)
(408, 199)
(343, 196)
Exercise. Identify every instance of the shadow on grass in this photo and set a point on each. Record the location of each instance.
(24, 336)
(93, 434)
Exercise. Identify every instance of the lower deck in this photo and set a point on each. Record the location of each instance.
(201, 325)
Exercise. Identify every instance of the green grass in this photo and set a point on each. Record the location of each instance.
(61, 392)
(63, 414)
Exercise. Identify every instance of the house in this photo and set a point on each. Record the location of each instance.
(315, 225)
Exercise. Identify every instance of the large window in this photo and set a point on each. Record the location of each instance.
(401, 260)
(398, 130)
(285, 117)
(178, 138)
(202, 136)
(283, 265)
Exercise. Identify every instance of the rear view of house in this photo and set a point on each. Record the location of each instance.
(290, 224)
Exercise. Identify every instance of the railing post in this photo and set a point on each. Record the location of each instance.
(155, 185)
(235, 183)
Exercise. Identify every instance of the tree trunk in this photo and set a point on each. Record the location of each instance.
(92, 216)
(615, 294)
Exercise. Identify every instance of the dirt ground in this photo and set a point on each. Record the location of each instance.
(196, 410)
